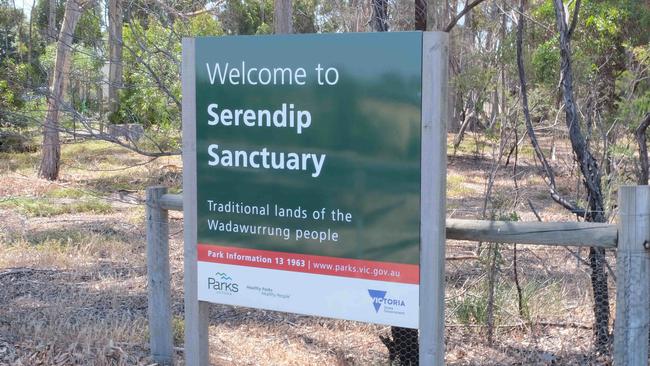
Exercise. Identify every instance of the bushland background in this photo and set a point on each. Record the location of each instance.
(549, 107)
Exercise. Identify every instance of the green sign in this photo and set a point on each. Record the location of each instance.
(308, 173)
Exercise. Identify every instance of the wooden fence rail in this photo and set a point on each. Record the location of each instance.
(541, 233)
(633, 262)
(585, 234)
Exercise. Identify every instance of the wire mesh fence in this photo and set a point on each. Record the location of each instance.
(521, 305)
(505, 305)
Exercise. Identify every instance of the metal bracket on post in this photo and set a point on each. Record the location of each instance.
(158, 279)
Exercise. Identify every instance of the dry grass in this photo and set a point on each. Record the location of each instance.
(74, 282)
(72, 260)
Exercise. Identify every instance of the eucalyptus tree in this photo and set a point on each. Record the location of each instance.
(51, 148)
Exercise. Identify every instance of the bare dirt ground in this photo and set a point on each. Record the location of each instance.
(73, 273)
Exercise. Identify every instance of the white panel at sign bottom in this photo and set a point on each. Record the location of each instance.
(364, 300)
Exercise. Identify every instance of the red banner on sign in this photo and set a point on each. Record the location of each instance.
(331, 266)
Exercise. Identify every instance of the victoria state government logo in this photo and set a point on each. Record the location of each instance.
(223, 283)
(391, 305)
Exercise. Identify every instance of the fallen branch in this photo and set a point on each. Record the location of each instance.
(525, 324)
(24, 270)
(462, 258)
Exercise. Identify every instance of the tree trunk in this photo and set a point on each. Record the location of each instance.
(99, 95)
(29, 40)
(282, 23)
(591, 178)
(379, 20)
(640, 134)
(51, 152)
(51, 21)
(115, 22)
(421, 15)
(469, 116)
(437, 14)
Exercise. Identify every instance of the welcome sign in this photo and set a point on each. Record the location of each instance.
(308, 156)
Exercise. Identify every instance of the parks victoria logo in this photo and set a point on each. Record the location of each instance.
(223, 284)
(391, 305)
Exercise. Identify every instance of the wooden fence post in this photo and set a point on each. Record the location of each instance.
(633, 277)
(158, 278)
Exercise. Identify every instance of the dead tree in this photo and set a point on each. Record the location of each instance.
(421, 15)
(591, 175)
(640, 135)
(379, 20)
